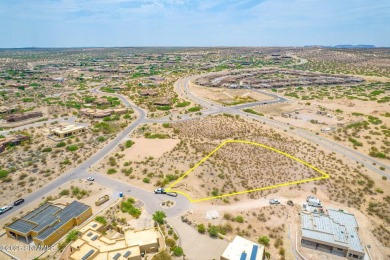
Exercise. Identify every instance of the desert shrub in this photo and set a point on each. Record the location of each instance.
(64, 192)
(164, 108)
(128, 206)
(101, 219)
(264, 240)
(72, 148)
(162, 256)
(47, 149)
(213, 231)
(194, 109)
(129, 143)
(155, 136)
(251, 111)
(3, 173)
(183, 104)
(111, 171)
(239, 219)
(61, 144)
(101, 139)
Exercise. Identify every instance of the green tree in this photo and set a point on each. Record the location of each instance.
(159, 216)
(201, 229)
(178, 251)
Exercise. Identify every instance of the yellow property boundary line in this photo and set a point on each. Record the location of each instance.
(323, 174)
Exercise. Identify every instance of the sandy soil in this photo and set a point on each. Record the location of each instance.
(141, 148)
(34, 168)
(227, 96)
(280, 215)
(244, 167)
(299, 114)
(374, 78)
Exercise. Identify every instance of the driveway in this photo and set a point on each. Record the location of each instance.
(195, 245)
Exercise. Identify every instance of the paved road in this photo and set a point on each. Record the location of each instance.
(195, 245)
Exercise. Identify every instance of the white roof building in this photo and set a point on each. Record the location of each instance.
(243, 249)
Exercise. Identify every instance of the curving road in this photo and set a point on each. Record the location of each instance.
(214, 108)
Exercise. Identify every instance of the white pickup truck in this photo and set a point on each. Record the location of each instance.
(274, 201)
(5, 209)
(159, 191)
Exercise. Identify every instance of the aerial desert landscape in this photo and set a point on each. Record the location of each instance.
(116, 145)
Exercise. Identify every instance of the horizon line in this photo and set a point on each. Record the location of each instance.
(351, 46)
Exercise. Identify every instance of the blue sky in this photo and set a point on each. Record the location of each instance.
(114, 23)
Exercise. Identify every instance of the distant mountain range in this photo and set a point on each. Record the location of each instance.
(346, 46)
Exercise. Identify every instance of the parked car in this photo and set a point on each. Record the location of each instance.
(159, 191)
(313, 201)
(90, 178)
(5, 209)
(274, 201)
(18, 202)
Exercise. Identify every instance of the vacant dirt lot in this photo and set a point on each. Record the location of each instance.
(227, 96)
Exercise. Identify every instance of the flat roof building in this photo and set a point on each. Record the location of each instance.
(243, 249)
(22, 116)
(335, 233)
(48, 223)
(93, 244)
(103, 112)
(12, 141)
(66, 131)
